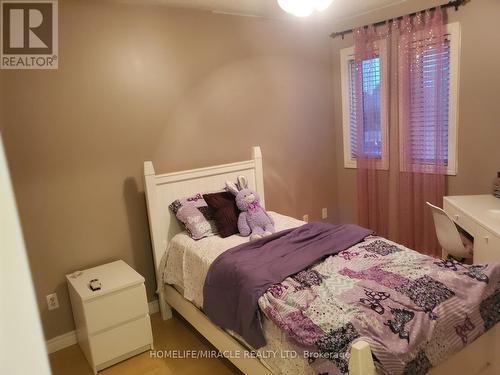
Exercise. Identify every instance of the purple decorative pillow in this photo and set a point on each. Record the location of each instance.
(196, 216)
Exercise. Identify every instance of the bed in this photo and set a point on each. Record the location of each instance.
(182, 292)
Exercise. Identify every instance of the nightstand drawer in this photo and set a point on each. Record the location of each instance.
(120, 340)
(116, 308)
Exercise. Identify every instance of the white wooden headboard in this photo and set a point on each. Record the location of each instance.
(163, 189)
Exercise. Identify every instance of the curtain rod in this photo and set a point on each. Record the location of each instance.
(453, 3)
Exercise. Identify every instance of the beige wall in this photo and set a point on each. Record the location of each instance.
(182, 88)
(189, 89)
(1, 104)
(479, 125)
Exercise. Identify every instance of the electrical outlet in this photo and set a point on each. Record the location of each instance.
(305, 218)
(52, 301)
(324, 213)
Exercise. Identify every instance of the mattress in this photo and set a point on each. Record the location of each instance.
(186, 263)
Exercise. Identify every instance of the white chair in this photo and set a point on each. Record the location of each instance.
(448, 235)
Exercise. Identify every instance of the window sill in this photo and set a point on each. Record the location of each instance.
(353, 165)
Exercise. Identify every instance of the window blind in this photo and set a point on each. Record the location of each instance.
(370, 98)
(426, 109)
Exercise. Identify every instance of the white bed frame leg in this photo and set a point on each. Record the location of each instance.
(361, 360)
(165, 309)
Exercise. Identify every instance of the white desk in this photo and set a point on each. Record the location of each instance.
(480, 216)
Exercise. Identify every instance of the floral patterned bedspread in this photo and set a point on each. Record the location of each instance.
(415, 311)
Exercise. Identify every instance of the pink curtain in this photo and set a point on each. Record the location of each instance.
(373, 179)
(392, 194)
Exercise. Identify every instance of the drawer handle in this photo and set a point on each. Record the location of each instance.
(456, 217)
(486, 239)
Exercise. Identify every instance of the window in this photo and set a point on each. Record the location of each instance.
(371, 93)
(374, 76)
(373, 97)
(423, 116)
(372, 145)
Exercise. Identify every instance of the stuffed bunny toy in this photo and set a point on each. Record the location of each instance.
(253, 221)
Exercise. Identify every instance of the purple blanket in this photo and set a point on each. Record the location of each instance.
(241, 275)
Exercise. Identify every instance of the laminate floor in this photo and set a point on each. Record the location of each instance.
(173, 334)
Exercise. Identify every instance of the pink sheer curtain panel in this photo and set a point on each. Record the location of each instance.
(422, 128)
(414, 66)
(373, 182)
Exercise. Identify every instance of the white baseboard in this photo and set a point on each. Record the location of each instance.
(69, 338)
(60, 342)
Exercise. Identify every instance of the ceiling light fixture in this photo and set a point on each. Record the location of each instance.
(304, 8)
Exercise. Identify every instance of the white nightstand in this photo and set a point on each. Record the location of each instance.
(112, 324)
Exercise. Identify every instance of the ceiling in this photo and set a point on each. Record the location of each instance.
(342, 14)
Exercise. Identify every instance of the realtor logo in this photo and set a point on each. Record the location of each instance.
(29, 34)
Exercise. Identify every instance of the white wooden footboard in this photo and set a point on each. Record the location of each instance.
(482, 357)
(361, 361)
